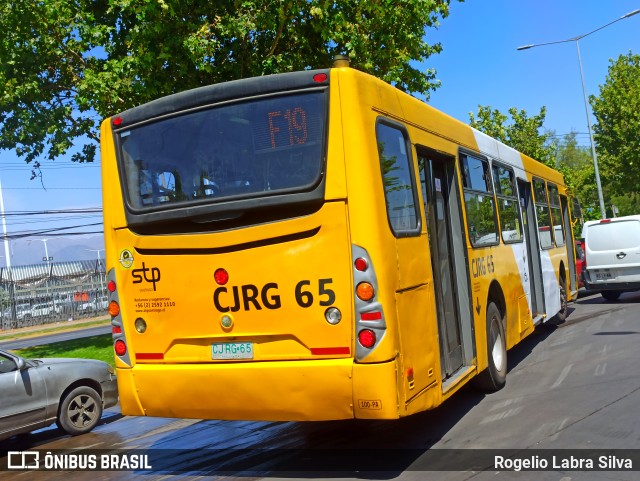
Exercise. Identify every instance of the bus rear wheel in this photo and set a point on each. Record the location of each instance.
(562, 314)
(494, 377)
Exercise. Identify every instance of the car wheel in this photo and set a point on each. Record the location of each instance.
(495, 376)
(610, 295)
(80, 411)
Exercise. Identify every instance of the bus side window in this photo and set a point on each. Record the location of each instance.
(556, 215)
(479, 201)
(508, 206)
(542, 214)
(397, 179)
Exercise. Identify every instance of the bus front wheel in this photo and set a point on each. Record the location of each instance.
(494, 377)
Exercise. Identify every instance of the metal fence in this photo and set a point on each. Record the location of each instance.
(50, 292)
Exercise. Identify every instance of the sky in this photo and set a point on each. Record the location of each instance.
(479, 65)
(67, 185)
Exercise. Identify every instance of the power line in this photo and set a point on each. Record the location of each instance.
(81, 210)
(568, 134)
(21, 218)
(67, 234)
(50, 220)
(14, 168)
(49, 232)
(51, 188)
(47, 163)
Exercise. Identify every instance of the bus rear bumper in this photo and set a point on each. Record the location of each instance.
(266, 391)
(318, 390)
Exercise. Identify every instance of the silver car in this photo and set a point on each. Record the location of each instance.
(35, 393)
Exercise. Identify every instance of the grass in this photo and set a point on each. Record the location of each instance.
(94, 347)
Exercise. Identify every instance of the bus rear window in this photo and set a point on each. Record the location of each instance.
(245, 149)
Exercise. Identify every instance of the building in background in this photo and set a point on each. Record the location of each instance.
(49, 292)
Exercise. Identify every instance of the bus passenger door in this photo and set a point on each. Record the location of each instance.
(534, 263)
(448, 254)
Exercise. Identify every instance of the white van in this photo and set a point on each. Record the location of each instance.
(612, 255)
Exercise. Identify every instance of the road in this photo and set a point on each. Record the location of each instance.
(55, 337)
(573, 386)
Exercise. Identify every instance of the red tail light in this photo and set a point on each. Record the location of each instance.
(371, 316)
(120, 347)
(361, 264)
(367, 338)
(111, 286)
(370, 320)
(221, 276)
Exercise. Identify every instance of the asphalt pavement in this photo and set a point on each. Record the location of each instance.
(50, 338)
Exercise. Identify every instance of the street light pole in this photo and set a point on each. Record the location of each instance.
(603, 210)
(46, 257)
(48, 260)
(596, 171)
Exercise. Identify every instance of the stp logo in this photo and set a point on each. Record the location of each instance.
(148, 274)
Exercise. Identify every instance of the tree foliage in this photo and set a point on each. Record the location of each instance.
(617, 128)
(576, 164)
(523, 133)
(65, 64)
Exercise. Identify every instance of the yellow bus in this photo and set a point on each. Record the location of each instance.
(319, 245)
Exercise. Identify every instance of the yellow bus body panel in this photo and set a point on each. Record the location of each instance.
(375, 395)
(182, 328)
(279, 391)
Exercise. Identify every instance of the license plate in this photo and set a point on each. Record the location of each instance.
(232, 350)
(604, 275)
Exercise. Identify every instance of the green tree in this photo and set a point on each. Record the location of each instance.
(65, 64)
(523, 133)
(576, 164)
(617, 128)
(572, 155)
(626, 204)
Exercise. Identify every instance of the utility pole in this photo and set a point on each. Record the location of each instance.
(576, 39)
